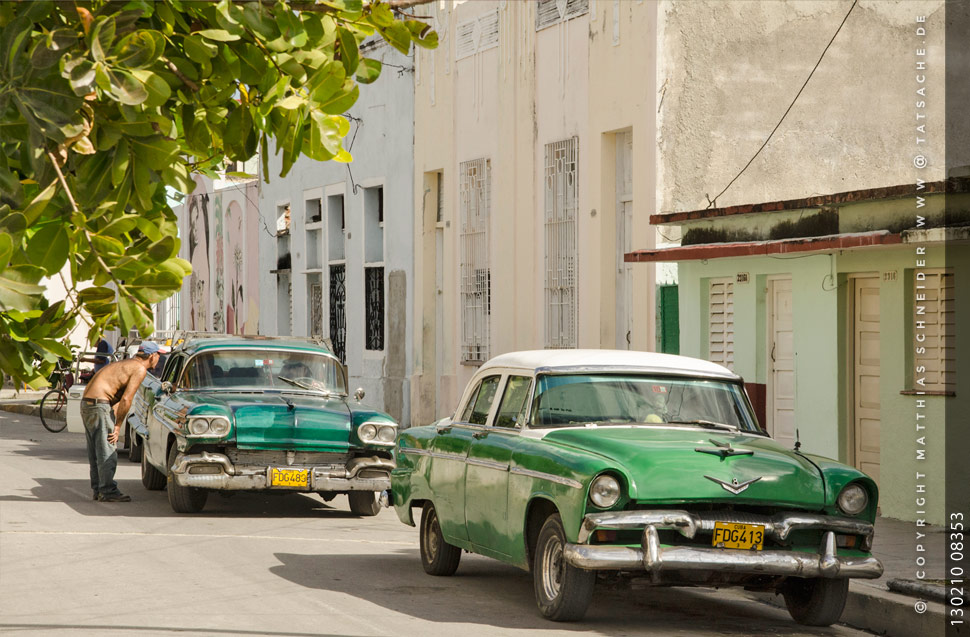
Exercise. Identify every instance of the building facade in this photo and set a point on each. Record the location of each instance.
(336, 241)
(812, 269)
(534, 169)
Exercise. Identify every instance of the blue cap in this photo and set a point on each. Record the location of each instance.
(148, 347)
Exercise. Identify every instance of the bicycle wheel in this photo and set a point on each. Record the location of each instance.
(53, 410)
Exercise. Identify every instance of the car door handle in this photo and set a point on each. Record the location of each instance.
(478, 435)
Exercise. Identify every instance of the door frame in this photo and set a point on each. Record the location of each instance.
(849, 362)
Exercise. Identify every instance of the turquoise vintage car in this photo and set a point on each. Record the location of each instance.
(574, 462)
(258, 414)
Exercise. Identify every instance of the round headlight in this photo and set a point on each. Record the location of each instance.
(218, 426)
(367, 432)
(604, 491)
(387, 434)
(853, 499)
(198, 426)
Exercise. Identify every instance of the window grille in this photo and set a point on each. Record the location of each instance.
(316, 306)
(475, 192)
(338, 310)
(720, 324)
(374, 301)
(561, 204)
(550, 12)
(935, 319)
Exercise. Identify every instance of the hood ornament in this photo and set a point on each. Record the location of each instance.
(724, 449)
(734, 486)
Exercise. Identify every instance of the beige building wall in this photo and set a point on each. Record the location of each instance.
(586, 77)
(729, 70)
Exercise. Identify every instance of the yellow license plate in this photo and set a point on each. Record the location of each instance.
(289, 478)
(730, 535)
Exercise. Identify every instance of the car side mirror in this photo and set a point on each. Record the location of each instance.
(359, 394)
(167, 387)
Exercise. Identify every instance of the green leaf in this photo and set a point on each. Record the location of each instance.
(155, 286)
(96, 295)
(131, 314)
(349, 53)
(219, 35)
(119, 164)
(422, 34)
(368, 71)
(342, 100)
(162, 249)
(398, 36)
(139, 49)
(381, 15)
(57, 349)
(126, 88)
(119, 226)
(101, 37)
(156, 150)
(36, 207)
(198, 50)
(48, 248)
(19, 289)
(107, 245)
(158, 89)
(252, 64)
(49, 50)
(6, 249)
(14, 224)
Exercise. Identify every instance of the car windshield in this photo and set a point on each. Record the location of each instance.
(624, 399)
(264, 369)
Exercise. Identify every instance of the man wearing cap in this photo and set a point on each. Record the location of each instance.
(106, 401)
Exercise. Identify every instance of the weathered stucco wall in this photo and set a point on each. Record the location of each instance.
(729, 70)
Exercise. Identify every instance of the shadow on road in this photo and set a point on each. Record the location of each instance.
(488, 592)
(77, 495)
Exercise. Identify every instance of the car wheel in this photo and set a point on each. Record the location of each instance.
(151, 478)
(437, 556)
(134, 448)
(816, 602)
(183, 499)
(364, 503)
(563, 592)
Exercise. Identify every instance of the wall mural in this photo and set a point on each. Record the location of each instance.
(198, 283)
(218, 316)
(234, 271)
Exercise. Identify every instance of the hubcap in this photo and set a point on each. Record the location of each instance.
(431, 536)
(553, 568)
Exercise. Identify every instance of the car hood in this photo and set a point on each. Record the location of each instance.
(664, 466)
(265, 420)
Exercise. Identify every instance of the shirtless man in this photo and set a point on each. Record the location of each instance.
(106, 401)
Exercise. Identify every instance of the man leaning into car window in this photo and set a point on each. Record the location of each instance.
(106, 401)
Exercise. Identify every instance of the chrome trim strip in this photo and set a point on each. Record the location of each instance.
(491, 464)
(653, 558)
(448, 456)
(413, 451)
(569, 482)
(778, 526)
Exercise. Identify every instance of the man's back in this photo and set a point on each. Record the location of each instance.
(110, 383)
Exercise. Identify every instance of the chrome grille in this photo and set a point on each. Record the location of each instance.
(285, 458)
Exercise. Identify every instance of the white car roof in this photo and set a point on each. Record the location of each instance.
(553, 360)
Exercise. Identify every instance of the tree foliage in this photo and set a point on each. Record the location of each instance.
(106, 107)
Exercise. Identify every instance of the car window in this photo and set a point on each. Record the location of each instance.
(512, 408)
(173, 368)
(264, 369)
(480, 402)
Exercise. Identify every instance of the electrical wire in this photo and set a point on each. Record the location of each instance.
(713, 202)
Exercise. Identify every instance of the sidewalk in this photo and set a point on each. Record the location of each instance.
(26, 402)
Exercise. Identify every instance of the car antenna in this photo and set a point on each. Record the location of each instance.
(798, 444)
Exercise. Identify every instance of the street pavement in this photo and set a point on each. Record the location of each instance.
(288, 565)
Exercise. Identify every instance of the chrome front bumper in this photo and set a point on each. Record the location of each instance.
(653, 558)
(220, 473)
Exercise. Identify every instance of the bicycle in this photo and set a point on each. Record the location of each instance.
(53, 405)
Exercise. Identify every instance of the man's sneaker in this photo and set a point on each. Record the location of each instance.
(97, 496)
(118, 497)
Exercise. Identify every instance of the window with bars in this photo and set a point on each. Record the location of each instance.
(561, 258)
(934, 321)
(338, 310)
(374, 307)
(550, 12)
(720, 322)
(374, 268)
(475, 203)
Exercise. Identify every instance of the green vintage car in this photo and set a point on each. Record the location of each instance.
(577, 462)
(258, 414)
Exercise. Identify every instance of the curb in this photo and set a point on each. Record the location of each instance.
(32, 410)
(880, 611)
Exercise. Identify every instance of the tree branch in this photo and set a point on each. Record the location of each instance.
(174, 69)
